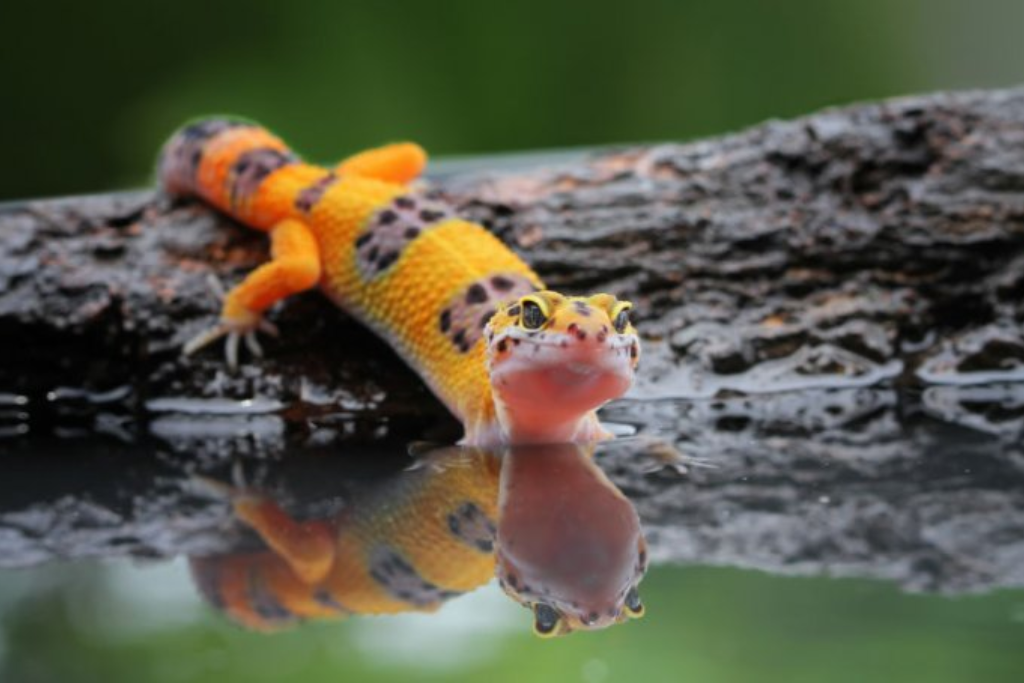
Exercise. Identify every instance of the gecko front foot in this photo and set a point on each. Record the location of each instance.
(234, 330)
(234, 334)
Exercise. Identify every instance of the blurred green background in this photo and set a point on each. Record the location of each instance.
(91, 89)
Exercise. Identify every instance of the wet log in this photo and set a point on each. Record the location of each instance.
(877, 242)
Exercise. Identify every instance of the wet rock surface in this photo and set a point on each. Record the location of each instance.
(926, 490)
(832, 306)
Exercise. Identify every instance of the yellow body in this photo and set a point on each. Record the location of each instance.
(316, 217)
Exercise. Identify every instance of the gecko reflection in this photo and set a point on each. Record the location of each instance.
(561, 538)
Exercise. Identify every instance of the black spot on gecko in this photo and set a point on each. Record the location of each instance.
(486, 318)
(445, 321)
(401, 580)
(251, 168)
(392, 228)
(263, 601)
(181, 156)
(582, 308)
(471, 526)
(385, 261)
(469, 312)
(207, 575)
(476, 294)
(309, 196)
(502, 283)
(325, 599)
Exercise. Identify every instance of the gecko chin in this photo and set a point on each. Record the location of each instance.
(556, 379)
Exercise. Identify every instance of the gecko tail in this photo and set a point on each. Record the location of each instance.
(224, 162)
(180, 158)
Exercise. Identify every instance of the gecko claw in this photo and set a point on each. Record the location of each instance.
(253, 344)
(216, 286)
(204, 339)
(233, 335)
(209, 488)
(231, 350)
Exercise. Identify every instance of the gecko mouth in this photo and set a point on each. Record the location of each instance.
(560, 372)
(581, 369)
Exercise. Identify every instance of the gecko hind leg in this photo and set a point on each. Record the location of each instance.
(401, 163)
(294, 267)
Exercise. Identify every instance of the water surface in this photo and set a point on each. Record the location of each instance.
(821, 535)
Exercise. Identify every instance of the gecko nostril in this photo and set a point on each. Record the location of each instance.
(602, 335)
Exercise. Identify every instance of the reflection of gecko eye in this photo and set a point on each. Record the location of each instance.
(634, 607)
(545, 619)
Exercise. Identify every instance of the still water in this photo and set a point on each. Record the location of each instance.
(832, 535)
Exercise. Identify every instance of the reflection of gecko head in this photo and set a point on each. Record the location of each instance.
(569, 544)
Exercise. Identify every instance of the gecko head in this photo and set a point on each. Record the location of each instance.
(553, 359)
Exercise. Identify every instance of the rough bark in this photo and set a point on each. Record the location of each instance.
(878, 245)
(880, 241)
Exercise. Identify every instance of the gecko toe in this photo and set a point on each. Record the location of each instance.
(253, 344)
(204, 339)
(231, 350)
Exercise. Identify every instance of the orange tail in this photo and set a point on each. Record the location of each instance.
(231, 164)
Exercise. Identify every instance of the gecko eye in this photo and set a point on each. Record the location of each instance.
(533, 315)
(621, 319)
(545, 619)
(634, 607)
